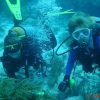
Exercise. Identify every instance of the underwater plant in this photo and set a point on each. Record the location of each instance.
(12, 89)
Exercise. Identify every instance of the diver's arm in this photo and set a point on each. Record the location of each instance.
(70, 63)
(96, 38)
(97, 43)
(66, 83)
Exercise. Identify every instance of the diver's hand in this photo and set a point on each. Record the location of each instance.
(63, 85)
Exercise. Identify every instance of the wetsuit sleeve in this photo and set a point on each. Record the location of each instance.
(10, 65)
(97, 38)
(97, 43)
(70, 63)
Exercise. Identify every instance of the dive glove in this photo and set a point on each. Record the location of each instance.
(64, 84)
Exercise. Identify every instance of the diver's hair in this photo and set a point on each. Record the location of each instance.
(80, 19)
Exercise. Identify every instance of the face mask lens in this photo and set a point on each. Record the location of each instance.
(84, 32)
(13, 48)
(76, 35)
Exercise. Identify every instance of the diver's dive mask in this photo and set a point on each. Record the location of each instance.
(14, 50)
(81, 33)
(13, 47)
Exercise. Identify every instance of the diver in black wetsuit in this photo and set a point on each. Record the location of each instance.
(21, 49)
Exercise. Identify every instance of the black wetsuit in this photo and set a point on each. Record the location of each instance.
(30, 53)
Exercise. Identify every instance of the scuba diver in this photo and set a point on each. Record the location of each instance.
(21, 49)
(85, 48)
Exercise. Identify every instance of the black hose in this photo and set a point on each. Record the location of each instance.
(58, 54)
(52, 56)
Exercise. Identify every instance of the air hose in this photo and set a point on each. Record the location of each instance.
(58, 54)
